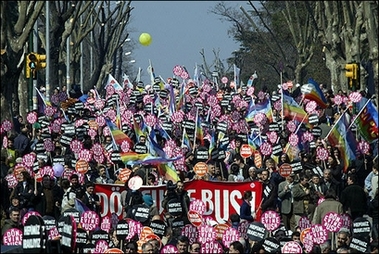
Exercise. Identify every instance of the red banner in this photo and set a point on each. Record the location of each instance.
(221, 198)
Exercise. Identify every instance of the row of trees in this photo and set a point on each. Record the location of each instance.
(294, 39)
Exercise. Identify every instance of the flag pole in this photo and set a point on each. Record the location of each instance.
(282, 101)
(194, 136)
(360, 112)
(302, 120)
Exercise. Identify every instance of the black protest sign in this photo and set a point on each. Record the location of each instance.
(274, 127)
(296, 166)
(58, 160)
(177, 223)
(167, 126)
(68, 239)
(271, 245)
(174, 207)
(277, 150)
(224, 103)
(214, 154)
(66, 140)
(42, 156)
(189, 125)
(88, 248)
(79, 105)
(139, 148)
(99, 235)
(116, 157)
(361, 227)
(313, 119)
(316, 132)
(39, 148)
(69, 130)
(202, 154)
(81, 237)
(192, 90)
(256, 231)
(158, 227)
(122, 229)
(141, 213)
(221, 155)
(360, 244)
(224, 142)
(72, 211)
(49, 221)
(35, 166)
(34, 235)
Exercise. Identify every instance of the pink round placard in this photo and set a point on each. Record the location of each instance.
(332, 221)
(271, 220)
(319, 233)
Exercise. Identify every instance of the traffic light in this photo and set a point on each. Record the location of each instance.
(41, 61)
(31, 65)
(34, 62)
(352, 74)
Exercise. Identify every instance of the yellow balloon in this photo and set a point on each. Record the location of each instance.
(145, 39)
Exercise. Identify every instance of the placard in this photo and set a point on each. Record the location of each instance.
(304, 223)
(319, 233)
(332, 221)
(81, 237)
(271, 245)
(174, 207)
(89, 220)
(72, 211)
(142, 213)
(206, 233)
(274, 127)
(292, 247)
(195, 218)
(68, 240)
(12, 236)
(169, 248)
(230, 235)
(296, 166)
(177, 223)
(360, 244)
(158, 227)
(313, 119)
(33, 235)
(285, 169)
(200, 168)
(222, 127)
(271, 220)
(361, 227)
(202, 154)
(256, 231)
(122, 229)
(191, 232)
(212, 248)
(277, 150)
(100, 235)
(246, 151)
(197, 205)
(316, 132)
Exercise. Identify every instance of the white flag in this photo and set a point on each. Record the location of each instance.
(126, 81)
(112, 81)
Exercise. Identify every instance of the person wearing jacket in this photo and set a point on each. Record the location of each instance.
(354, 198)
(245, 208)
(12, 222)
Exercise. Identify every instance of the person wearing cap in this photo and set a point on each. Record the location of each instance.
(286, 208)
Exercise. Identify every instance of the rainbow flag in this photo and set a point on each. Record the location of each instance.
(262, 107)
(186, 141)
(137, 129)
(168, 172)
(340, 136)
(312, 91)
(199, 130)
(254, 141)
(293, 110)
(212, 142)
(80, 206)
(367, 120)
(130, 157)
(155, 149)
(43, 98)
(118, 116)
(181, 98)
(117, 135)
(171, 101)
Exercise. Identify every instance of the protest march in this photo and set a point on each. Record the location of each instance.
(192, 166)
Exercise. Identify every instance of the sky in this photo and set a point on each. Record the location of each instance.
(179, 31)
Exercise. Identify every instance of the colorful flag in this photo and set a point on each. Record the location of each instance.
(367, 120)
(113, 82)
(80, 206)
(43, 98)
(340, 136)
(199, 134)
(254, 141)
(155, 148)
(186, 141)
(312, 91)
(137, 129)
(181, 96)
(130, 157)
(169, 172)
(118, 116)
(293, 110)
(117, 135)
(262, 107)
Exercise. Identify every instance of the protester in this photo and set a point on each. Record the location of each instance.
(246, 209)
(354, 198)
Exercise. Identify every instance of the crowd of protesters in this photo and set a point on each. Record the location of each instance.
(354, 191)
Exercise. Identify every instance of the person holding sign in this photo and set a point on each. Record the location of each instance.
(90, 199)
(245, 208)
